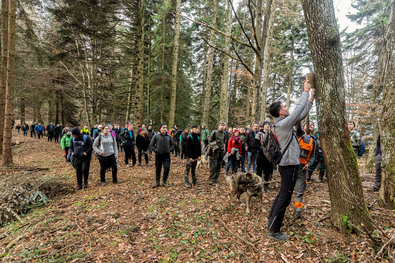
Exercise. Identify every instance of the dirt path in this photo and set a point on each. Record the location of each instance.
(131, 222)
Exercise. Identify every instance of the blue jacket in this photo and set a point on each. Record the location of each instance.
(39, 128)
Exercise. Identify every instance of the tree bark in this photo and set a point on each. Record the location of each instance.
(3, 68)
(139, 116)
(387, 190)
(348, 207)
(7, 151)
(266, 70)
(207, 99)
(224, 109)
(173, 95)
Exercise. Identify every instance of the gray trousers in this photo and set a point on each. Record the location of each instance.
(377, 178)
(300, 186)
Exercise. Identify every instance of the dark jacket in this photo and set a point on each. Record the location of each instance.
(80, 146)
(193, 146)
(142, 143)
(25, 127)
(162, 144)
(250, 141)
(117, 133)
(151, 134)
(378, 146)
(50, 129)
(184, 138)
(32, 127)
(176, 135)
(57, 131)
(127, 138)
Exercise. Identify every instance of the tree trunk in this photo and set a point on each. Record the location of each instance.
(3, 68)
(266, 70)
(7, 150)
(224, 110)
(139, 116)
(348, 205)
(207, 99)
(387, 190)
(22, 109)
(374, 95)
(290, 72)
(174, 70)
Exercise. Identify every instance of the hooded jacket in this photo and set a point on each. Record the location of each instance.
(204, 133)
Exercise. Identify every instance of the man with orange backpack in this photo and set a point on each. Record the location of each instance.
(307, 156)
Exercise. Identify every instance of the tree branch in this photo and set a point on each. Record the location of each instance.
(216, 30)
(241, 61)
(242, 28)
(253, 25)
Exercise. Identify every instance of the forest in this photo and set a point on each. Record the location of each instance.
(87, 62)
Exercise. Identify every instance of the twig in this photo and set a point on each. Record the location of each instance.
(241, 61)
(371, 205)
(233, 234)
(220, 50)
(386, 244)
(15, 214)
(13, 242)
(75, 219)
(367, 232)
(323, 219)
(284, 258)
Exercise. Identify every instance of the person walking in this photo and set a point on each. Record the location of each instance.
(32, 130)
(204, 134)
(57, 132)
(162, 145)
(217, 144)
(105, 146)
(289, 165)
(25, 128)
(39, 129)
(234, 150)
(142, 144)
(192, 153)
(81, 151)
(65, 143)
(252, 148)
(127, 139)
(183, 141)
(50, 131)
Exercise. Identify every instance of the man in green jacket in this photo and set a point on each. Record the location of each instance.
(218, 154)
(204, 134)
(65, 142)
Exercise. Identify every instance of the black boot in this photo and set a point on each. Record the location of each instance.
(194, 180)
(321, 176)
(155, 185)
(309, 174)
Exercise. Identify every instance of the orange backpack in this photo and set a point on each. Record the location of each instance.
(305, 150)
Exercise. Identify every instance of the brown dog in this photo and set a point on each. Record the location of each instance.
(249, 183)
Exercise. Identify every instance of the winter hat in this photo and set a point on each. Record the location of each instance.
(162, 124)
(236, 131)
(149, 125)
(195, 126)
(264, 123)
(75, 131)
(220, 122)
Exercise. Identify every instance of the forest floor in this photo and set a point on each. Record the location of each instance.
(132, 222)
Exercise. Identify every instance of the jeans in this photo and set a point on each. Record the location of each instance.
(24, 133)
(232, 161)
(251, 157)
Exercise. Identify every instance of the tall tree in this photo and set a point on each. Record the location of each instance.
(207, 95)
(3, 68)
(10, 82)
(345, 187)
(224, 108)
(174, 70)
(387, 190)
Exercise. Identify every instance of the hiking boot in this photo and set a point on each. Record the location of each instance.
(298, 213)
(210, 182)
(155, 185)
(187, 185)
(309, 174)
(139, 164)
(86, 185)
(103, 183)
(277, 235)
(78, 187)
(165, 184)
(117, 182)
(146, 164)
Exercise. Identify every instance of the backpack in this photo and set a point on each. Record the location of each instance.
(361, 149)
(271, 148)
(70, 156)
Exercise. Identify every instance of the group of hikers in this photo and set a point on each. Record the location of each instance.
(250, 149)
(37, 130)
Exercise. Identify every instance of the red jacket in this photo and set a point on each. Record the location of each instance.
(233, 144)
